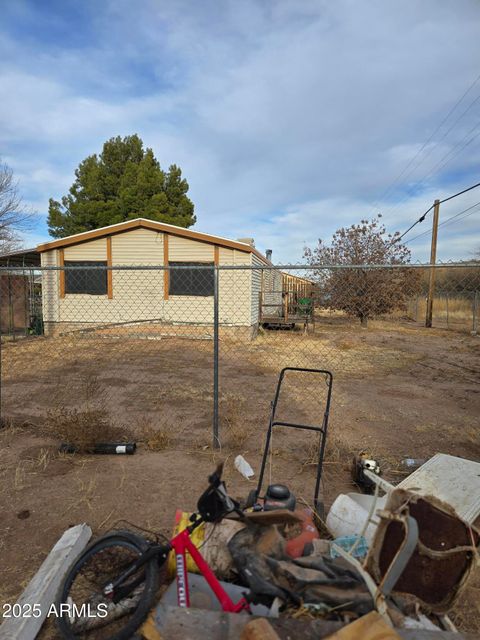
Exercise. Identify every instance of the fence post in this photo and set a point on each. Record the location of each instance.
(433, 256)
(26, 285)
(416, 309)
(474, 310)
(446, 303)
(216, 440)
(11, 328)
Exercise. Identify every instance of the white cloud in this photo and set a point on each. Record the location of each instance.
(288, 119)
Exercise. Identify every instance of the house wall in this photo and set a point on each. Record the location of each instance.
(257, 279)
(50, 287)
(139, 295)
(235, 288)
(93, 250)
(194, 309)
(272, 290)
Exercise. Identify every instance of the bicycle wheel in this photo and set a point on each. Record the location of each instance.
(85, 612)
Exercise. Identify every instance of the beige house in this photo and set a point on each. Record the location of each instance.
(74, 299)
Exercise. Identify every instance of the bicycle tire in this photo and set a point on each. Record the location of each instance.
(127, 541)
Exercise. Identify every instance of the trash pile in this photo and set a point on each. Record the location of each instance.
(407, 556)
(375, 567)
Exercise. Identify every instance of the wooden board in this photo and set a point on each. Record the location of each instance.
(175, 623)
(259, 629)
(369, 627)
(43, 587)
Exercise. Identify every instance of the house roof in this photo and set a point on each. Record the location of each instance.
(143, 223)
(20, 258)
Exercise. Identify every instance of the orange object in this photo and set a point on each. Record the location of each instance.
(296, 545)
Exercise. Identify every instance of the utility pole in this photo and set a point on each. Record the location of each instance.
(433, 257)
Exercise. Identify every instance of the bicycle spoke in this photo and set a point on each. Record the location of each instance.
(93, 615)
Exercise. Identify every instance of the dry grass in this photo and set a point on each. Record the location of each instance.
(86, 425)
(84, 428)
(85, 494)
(235, 428)
(457, 312)
(337, 450)
(466, 614)
(155, 439)
(19, 477)
(275, 350)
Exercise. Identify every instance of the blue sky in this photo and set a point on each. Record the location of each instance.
(288, 119)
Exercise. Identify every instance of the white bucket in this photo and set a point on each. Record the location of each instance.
(349, 512)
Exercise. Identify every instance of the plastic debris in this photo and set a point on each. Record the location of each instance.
(410, 464)
(243, 467)
(356, 545)
(349, 514)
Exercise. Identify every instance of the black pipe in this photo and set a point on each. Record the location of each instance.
(127, 448)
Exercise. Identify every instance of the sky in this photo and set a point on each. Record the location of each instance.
(288, 118)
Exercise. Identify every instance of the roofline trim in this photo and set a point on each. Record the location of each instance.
(153, 225)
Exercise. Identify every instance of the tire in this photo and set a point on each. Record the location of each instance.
(100, 563)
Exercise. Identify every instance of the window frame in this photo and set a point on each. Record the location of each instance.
(173, 273)
(85, 263)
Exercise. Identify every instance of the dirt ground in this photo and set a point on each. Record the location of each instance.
(399, 391)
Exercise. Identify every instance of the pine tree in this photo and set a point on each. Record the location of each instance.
(124, 182)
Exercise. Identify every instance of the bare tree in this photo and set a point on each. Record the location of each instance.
(364, 292)
(13, 215)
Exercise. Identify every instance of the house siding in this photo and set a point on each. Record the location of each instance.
(185, 250)
(138, 295)
(50, 286)
(235, 288)
(256, 287)
(93, 250)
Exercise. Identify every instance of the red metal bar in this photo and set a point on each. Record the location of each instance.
(182, 543)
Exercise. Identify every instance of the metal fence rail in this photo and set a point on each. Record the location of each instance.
(196, 349)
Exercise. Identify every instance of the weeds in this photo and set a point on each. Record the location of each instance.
(337, 450)
(88, 425)
(84, 428)
(43, 459)
(234, 427)
(155, 438)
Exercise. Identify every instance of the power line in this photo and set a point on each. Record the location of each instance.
(423, 216)
(441, 163)
(430, 151)
(412, 160)
(448, 220)
(421, 219)
(460, 193)
(462, 147)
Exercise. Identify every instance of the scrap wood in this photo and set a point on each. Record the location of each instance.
(369, 627)
(259, 629)
(43, 587)
(178, 623)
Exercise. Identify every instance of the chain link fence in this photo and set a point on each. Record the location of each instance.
(192, 353)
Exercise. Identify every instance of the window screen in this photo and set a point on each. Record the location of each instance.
(92, 281)
(191, 281)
